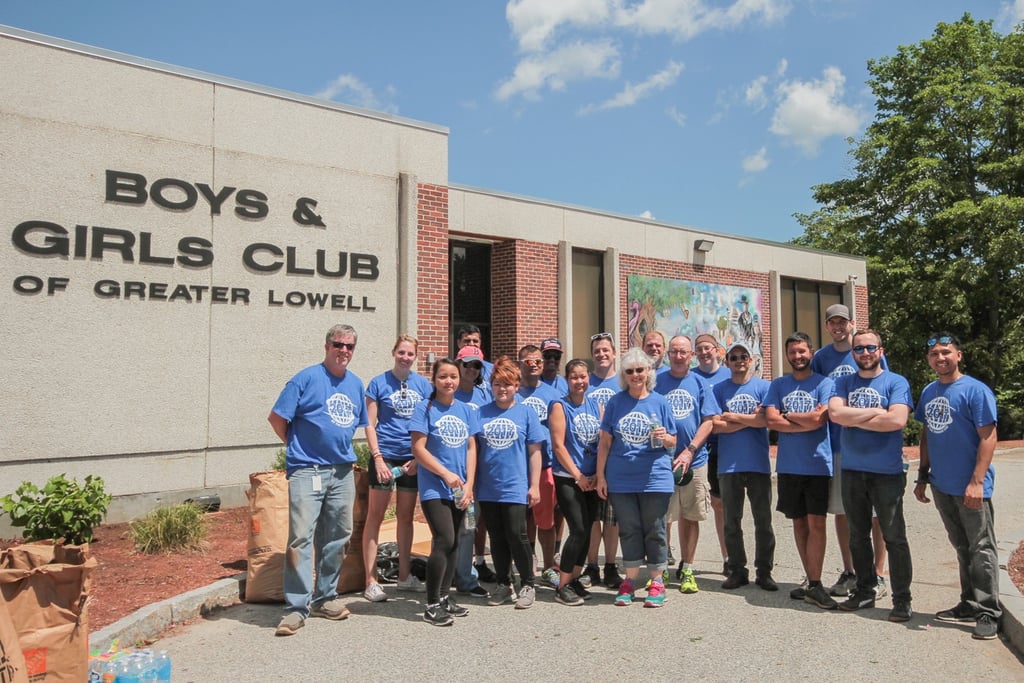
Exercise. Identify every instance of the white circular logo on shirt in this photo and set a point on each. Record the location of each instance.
(635, 428)
(864, 397)
(453, 431)
(538, 405)
(742, 404)
(500, 433)
(342, 410)
(841, 371)
(585, 426)
(403, 405)
(938, 414)
(682, 403)
(798, 401)
(602, 395)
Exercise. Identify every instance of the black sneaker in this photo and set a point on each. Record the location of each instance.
(567, 596)
(900, 611)
(736, 579)
(858, 601)
(818, 595)
(477, 591)
(436, 615)
(578, 588)
(961, 614)
(484, 573)
(766, 582)
(612, 579)
(800, 592)
(986, 629)
(453, 608)
(594, 574)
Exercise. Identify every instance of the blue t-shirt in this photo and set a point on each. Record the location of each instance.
(747, 449)
(557, 383)
(864, 450)
(323, 413)
(448, 429)
(722, 374)
(394, 409)
(502, 459)
(539, 398)
(582, 423)
(633, 466)
(603, 389)
(692, 402)
(835, 364)
(807, 453)
(952, 414)
(481, 395)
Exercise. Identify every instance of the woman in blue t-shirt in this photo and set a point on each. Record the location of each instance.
(390, 400)
(442, 431)
(508, 480)
(634, 471)
(574, 421)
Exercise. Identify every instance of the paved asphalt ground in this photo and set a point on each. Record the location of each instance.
(741, 635)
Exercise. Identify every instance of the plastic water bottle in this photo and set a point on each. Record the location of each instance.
(163, 666)
(655, 424)
(469, 520)
(396, 472)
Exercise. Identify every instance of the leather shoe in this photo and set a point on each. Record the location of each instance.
(766, 582)
(736, 579)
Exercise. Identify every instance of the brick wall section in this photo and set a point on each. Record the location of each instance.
(860, 316)
(524, 295)
(432, 272)
(675, 270)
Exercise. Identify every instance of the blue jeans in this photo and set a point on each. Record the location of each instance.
(466, 577)
(973, 535)
(319, 525)
(864, 492)
(642, 529)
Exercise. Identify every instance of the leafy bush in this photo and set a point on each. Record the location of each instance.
(280, 461)
(361, 449)
(62, 509)
(180, 527)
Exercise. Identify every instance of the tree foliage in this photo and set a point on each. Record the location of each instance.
(936, 205)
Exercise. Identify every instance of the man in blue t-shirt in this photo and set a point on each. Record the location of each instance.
(872, 406)
(797, 408)
(744, 467)
(654, 346)
(551, 352)
(959, 414)
(316, 416)
(709, 366)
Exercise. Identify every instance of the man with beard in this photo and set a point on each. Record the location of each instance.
(797, 408)
(872, 406)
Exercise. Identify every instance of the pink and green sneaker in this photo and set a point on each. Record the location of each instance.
(655, 594)
(625, 594)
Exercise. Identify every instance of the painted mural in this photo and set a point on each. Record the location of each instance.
(730, 314)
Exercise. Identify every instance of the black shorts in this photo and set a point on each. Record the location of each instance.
(713, 487)
(802, 494)
(406, 482)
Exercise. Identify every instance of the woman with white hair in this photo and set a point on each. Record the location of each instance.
(634, 471)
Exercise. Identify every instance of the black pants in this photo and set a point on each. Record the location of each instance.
(506, 527)
(444, 520)
(580, 510)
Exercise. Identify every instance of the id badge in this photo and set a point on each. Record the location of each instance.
(317, 485)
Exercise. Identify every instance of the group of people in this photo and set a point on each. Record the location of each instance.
(616, 451)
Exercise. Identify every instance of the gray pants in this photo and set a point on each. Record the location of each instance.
(972, 533)
(758, 488)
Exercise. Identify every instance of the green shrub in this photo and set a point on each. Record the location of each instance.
(362, 454)
(180, 527)
(280, 461)
(62, 509)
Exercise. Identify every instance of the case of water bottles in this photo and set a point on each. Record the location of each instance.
(129, 666)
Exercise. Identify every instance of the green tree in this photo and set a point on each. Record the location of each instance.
(936, 205)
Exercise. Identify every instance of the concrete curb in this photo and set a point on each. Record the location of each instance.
(147, 623)
(1010, 597)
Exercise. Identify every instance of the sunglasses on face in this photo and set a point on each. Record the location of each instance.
(865, 348)
(738, 357)
(635, 371)
(939, 340)
(473, 365)
(344, 345)
(532, 362)
(552, 355)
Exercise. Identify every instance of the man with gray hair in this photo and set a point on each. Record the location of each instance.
(316, 416)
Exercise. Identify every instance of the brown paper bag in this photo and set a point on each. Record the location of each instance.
(46, 586)
(268, 536)
(12, 662)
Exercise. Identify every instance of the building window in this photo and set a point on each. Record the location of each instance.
(587, 300)
(469, 291)
(803, 304)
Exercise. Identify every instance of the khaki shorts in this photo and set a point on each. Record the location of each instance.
(693, 501)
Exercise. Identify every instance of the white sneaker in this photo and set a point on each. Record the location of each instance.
(525, 599)
(374, 593)
(412, 584)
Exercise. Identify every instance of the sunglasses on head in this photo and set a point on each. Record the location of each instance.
(739, 356)
(865, 348)
(945, 339)
(634, 371)
(600, 335)
(344, 345)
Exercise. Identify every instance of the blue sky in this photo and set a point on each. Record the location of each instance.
(717, 114)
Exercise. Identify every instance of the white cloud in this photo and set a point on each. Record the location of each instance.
(1011, 13)
(648, 215)
(677, 116)
(756, 163)
(754, 95)
(810, 111)
(350, 90)
(534, 21)
(554, 70)
(631, 93)
(686, 19)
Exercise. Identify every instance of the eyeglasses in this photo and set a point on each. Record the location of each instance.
(532, 362)
(635, 371)
(344, 345)
(945, 339)
(740, 356)
(866, 348)
(679, 352)
(600, 335)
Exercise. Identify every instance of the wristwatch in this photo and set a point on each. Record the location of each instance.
(690, 447)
